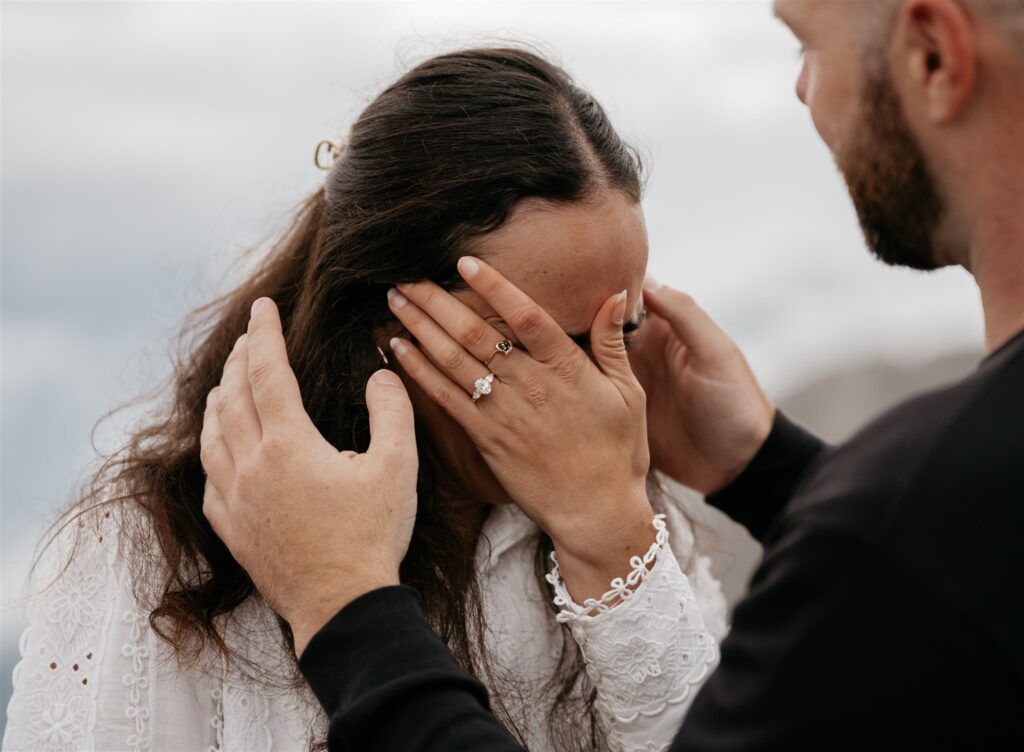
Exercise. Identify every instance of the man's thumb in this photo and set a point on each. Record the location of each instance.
(392, 430)
(694, 328)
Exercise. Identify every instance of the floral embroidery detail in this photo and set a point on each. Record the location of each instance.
(137, 682)
(72, 605)
(57, 720)
(638, 658)
(647, 653)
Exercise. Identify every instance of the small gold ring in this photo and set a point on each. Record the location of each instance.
(504, 347)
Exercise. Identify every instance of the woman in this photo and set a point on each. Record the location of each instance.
(154, 638)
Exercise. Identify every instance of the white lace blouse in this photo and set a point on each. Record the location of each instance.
(93, 675)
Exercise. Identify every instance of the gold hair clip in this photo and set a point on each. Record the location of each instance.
(335, 149)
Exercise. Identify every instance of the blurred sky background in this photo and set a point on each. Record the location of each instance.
(145, 144)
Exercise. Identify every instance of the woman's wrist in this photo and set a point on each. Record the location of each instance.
(591, 556)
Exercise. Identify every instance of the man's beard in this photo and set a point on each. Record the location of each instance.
(896, 198)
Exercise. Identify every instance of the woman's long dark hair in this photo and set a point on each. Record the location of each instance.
(439, 157)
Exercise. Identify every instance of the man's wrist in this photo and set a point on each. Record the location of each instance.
(319, 607)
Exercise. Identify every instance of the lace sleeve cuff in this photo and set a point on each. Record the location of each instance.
(645, 647)
(621, 588)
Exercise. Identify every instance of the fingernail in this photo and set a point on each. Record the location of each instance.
(241, 338)
(468, 266)
(397, 346)
(211, 396)
(404, 286)
(650, 283)
(389, 378)
(619, 312)
(256, 306)
(396, 298)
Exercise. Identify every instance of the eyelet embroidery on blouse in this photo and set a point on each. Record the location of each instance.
(54, 681)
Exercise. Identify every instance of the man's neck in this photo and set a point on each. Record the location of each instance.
(997, 263)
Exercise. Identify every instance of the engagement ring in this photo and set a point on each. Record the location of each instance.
(483, 386)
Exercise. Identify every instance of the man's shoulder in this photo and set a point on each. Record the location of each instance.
(954, 444)
(935, 486)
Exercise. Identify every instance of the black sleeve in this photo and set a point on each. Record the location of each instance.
(388, 683)
(838, 648)
(756, 498)
(835, 648)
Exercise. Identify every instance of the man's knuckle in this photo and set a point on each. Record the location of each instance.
(275, 446)
(259, 371)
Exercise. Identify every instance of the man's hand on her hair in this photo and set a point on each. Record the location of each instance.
(314, 527)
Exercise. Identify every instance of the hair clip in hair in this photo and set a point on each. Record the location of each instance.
(335, 150)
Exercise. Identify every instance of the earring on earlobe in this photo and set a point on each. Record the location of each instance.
(382, 355)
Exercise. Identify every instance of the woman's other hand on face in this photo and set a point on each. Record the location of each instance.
(314, 527)
(566, 438)
(707, 416)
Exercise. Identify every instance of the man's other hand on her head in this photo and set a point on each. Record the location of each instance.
(314, 527)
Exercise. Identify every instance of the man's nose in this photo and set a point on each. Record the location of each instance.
(801, 84)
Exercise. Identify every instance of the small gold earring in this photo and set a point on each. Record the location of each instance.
(382, 355)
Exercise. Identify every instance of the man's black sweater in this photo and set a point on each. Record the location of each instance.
(888, 610)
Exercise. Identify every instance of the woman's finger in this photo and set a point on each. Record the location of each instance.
(236, 411)
(532, 325)
(441, 389)
(213, 451)
(460, 365)
(460, 321)
(608, 344)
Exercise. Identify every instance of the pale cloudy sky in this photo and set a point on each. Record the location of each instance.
(144, 144)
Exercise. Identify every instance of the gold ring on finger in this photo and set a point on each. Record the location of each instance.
(504, 347)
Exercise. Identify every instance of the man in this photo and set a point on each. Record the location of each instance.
(914, 526)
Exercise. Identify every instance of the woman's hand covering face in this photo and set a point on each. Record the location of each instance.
(565, 435)
(314, 527)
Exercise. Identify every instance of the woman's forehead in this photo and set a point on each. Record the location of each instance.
(570, 258)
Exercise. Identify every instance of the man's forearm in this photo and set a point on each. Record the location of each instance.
(389, 683)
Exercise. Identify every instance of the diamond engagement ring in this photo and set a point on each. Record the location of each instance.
(483, 386)
(504, 347)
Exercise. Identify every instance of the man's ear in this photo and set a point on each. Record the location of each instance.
(934, 52)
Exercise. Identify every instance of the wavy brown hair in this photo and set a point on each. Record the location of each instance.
(438, 158)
